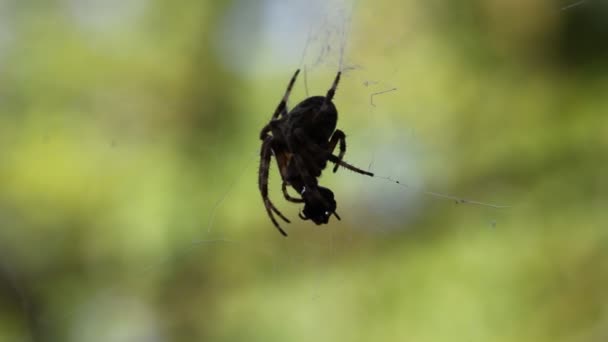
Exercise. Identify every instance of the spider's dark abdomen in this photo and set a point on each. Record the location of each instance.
(317, 122)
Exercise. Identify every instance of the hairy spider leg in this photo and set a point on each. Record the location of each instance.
(288, 197)
(338, 136)
(330, 94)
(346, 165)
(282, 107)
(266, 154)
(332, 91)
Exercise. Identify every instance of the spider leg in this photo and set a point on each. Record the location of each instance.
(266, 154)
(282, 107)
(288, 197)
(346, 165)
(337, 216)
(276, 211)
(338, 136)
(332, 91)
(265, 131)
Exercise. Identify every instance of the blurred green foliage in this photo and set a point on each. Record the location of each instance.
(129, 208)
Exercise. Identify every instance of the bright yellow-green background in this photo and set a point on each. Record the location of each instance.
(129, 208)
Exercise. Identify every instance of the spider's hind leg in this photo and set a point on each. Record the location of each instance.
(346, 165)
(340, 137)
(282, 107)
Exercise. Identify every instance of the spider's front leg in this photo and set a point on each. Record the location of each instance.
(265, 157)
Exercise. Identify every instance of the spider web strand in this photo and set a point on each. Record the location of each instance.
(578, 3)
(458, 200)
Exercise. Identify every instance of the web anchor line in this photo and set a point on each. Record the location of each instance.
(371, 97)
(458, 200)
(578, 3)
(439, 195)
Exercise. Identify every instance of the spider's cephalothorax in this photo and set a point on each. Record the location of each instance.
(302, 141)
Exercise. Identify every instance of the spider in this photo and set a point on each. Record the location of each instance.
(302, 141)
